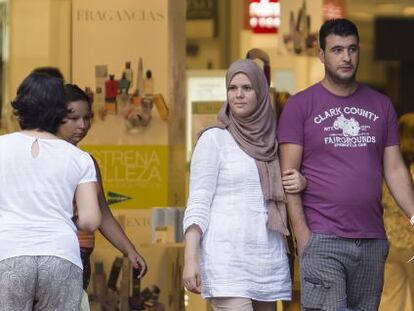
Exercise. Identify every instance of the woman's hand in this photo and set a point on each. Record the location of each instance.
(191, 276)
(293, 181)
(191, 272)
(138, 262)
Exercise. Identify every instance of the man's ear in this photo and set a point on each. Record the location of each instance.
(321, 55)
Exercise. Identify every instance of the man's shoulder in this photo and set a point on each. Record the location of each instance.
(369, 91)
(302, 98)
(309, 91)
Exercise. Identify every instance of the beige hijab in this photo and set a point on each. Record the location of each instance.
(256, 135)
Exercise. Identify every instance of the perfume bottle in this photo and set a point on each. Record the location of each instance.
(140, 80)
(122, 102)
(128, 73)
(101, 75)
(148, 84)
(124, 84)
(135, 99)
(111, 88)
(111, 91)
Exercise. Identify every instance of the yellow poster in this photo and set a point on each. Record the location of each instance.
(134, 176)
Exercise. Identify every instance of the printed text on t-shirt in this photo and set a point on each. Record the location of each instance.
(345, 130)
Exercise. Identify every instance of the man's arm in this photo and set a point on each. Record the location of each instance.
(398, 179)
(113, 232)
(291, 158)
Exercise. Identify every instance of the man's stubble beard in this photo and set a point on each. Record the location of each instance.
(337, 79)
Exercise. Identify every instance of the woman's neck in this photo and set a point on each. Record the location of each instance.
(39, 134)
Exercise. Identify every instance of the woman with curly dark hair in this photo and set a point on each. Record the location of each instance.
(40, 176)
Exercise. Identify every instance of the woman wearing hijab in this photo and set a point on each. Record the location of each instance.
(235, 219)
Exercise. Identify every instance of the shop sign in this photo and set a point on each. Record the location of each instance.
(119, 15)
(264, 16)
(133, 176)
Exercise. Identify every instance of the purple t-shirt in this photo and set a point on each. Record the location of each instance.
(343, 141)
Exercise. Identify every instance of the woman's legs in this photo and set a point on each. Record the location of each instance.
(241, 304)
(264, 305)
(59, 284)
(231, 304)
(18, 277)
(86, 262)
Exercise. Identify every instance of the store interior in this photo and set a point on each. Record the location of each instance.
(186, 46)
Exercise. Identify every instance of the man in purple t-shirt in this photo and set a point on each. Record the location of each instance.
(343, 136)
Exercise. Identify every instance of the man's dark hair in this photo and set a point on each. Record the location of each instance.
(40, 102)
(341, 27)
(75, 93)
(50, 71)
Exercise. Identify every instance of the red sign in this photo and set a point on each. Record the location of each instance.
(264, 16)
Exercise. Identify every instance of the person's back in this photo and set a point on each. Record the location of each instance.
(36, 214)
(40, 176)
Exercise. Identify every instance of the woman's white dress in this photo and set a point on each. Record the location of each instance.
(240, 257)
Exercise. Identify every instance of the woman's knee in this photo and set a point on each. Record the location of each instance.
(231, 304)
(264, 305)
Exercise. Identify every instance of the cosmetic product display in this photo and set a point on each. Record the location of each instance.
(111, 91)
(135, 99)
(124, 84)
(113, 96)
(111, 88)
(99, 103)
(122, 102)
(101, 75)
(148, 84)
(140, 81)
(128, 73)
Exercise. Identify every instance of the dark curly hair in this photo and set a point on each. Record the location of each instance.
(340, 26)
(75, 93)
(40, 102)
(50, 71)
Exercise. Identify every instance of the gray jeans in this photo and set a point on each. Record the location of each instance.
(53, 282)
(342, 274)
